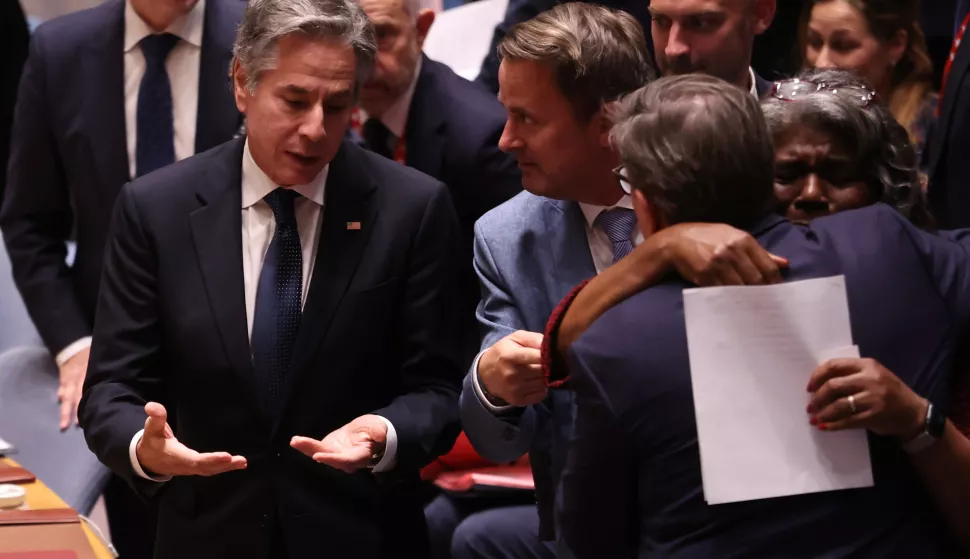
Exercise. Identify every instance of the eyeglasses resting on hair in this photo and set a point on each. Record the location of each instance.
(795, 89)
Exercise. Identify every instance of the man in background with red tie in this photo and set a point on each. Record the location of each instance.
(107, 95)
(946, 153)
(423, 115)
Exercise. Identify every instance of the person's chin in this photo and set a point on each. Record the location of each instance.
(302, 169)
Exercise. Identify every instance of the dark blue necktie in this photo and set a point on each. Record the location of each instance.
(155, 145)
(276, 319)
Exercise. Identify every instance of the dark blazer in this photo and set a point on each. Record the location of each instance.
(14, 38)
(452, 134)
(377, 336)
(69, 158)
(946, 152)
(632, 485)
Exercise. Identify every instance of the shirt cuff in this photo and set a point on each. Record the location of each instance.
(133, 456)
(390, 449)
(481, 393)
(71, 350)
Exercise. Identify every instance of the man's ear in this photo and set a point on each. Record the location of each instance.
(239, 86)
(602, 122)
(764, 14)
(423, 23)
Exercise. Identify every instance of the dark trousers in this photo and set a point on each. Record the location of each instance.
(509, 532)
(132, 522)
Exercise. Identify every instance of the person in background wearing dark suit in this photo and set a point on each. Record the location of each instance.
(421, 114)
(14, 38)
(630, 370)
(108, 94)
(714, 37)
(948, 166)
(290, 297)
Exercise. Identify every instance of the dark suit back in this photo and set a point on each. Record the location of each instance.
(909, 297)
(377, 335)
(69, 157)
(14, 37)
(452, 134)
(946, 152)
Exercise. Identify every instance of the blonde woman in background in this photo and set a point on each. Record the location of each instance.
(882, 41)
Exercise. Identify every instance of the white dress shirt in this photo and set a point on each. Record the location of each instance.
(258, 228)
(600, 248)
(182, 65)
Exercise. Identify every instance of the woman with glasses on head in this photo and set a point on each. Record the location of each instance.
(883, 42)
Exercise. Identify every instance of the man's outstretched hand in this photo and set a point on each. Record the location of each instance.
(161, 454)
(350, 448)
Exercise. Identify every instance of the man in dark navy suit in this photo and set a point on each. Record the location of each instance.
(947, 162)
(108, 94)
(421, 114)
(632, 485)
(289, 297)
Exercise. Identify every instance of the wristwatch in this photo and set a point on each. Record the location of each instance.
(933, 427)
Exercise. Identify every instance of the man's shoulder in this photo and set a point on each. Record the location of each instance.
(75, 30)
(181, 179)
(468, 106)
(522, 212)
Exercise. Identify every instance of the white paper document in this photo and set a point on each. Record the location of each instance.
(752, 351)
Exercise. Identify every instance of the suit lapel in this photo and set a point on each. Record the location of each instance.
(104, 119)
(569, 246)
(958, 73)
(217, 118)
(424, 133)
(347, 200)
(216, 229)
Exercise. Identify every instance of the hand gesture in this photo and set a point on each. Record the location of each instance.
(707, 254)
(861, 393)
(350, 448)
(511, 369)
(160, 453)
(71, 375)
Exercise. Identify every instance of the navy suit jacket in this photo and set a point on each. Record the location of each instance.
(946, 153)
(452, 134)
(69, 155)
(632, 485)
(377, 335)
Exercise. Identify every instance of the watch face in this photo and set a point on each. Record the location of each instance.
(935, 422)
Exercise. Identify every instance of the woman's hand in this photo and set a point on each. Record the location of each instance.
(861, 393)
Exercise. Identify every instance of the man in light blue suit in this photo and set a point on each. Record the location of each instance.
(572, 221)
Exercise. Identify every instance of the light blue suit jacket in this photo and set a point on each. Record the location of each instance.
(529, 253)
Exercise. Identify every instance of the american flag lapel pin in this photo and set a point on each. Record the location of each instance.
(353, 226)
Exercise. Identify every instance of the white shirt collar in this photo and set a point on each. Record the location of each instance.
(396, 116)
(188, 27)
(592, 211)
(754, 83)
(256, 184)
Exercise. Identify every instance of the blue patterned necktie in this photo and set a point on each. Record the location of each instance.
(618, 225)
(276, 319)
(155, 143)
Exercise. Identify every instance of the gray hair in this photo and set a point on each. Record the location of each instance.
(698, 149)
(878, 144)
(265, 22)
(597, 54)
